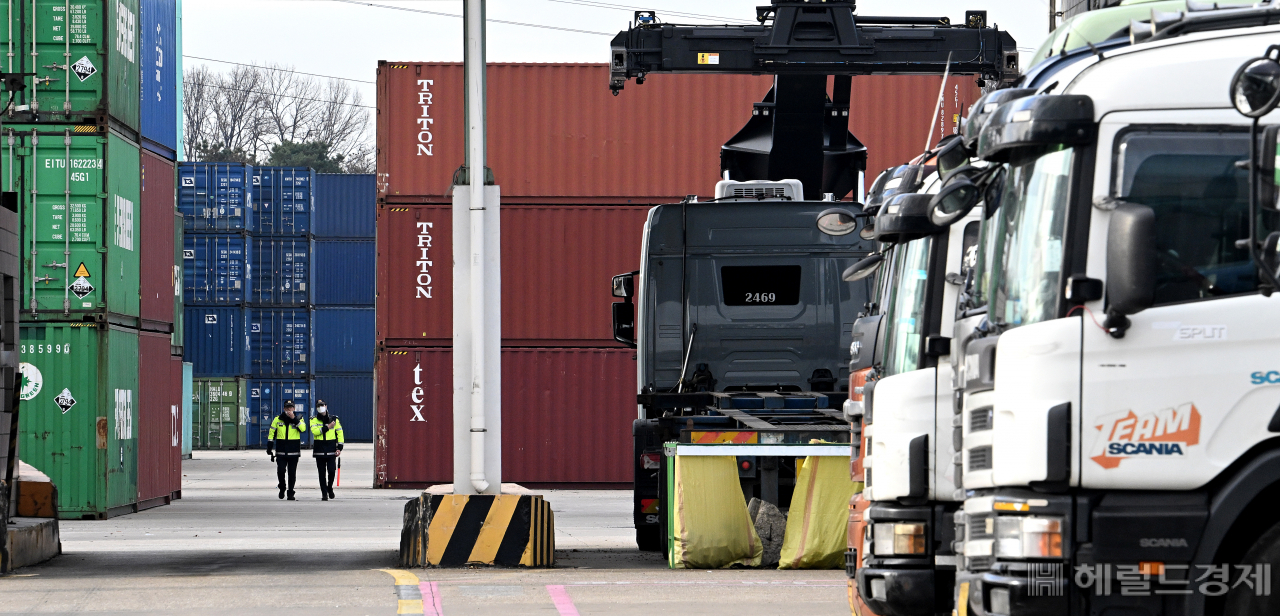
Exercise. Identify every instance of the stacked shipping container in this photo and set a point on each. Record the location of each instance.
(94, 170)
(579, 170)
(343, 256)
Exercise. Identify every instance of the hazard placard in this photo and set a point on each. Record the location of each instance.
(81, 287)
(65, 401)
(708, 58)
(82, 271)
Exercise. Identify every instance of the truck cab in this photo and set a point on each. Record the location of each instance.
(903, 537)
(1118, 431)
(738, 298)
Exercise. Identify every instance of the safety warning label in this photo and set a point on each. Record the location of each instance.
(82, 271)
(65, 401)
(81, 287)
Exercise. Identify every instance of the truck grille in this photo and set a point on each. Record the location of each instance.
(978, 563)
(978, 528)
(980, 419)
(759, 191)
(980, 458)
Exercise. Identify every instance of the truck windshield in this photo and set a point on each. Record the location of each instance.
(1201, 202)
(905, 316)
(1027, 234)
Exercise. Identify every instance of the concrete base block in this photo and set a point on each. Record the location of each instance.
(506, 530)
(30, 541)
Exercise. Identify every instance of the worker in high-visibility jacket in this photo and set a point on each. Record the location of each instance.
(327, 441)
(284, 445)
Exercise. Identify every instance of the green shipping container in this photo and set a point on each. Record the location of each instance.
(95, 176)
(79, 387)
(85, 60)
(221, 413)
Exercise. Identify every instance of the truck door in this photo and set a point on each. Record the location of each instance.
(1195, 380)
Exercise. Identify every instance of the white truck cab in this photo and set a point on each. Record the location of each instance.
(1119, 428)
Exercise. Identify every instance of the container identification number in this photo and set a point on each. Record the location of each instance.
(761, 298)
(46, 348)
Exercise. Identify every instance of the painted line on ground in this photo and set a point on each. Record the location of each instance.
(408, 592)
(561, 599)
(431, 598)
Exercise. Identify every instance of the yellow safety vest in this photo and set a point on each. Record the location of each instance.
(319, 432)
(281, 431)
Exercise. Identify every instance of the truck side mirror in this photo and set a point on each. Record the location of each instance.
(1131, 264)
(624, 312)
(624, 285)
(1255, 88)
(624, 323)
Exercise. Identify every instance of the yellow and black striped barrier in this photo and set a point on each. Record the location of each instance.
(506, 530)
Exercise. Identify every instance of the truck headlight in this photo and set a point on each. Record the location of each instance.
(1028, 537)
(899, 539)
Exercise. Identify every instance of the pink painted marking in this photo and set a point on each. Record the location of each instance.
(561, 599)
(430, 599)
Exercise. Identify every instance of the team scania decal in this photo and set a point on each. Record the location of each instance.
(1166, 432)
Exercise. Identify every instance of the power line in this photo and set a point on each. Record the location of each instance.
(496, 21)
(281, 70)
(623, 7)
(299, 98)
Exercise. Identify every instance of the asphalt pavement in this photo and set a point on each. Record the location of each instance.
(229, 546)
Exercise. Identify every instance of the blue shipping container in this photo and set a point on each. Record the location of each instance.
(158, 62)
(215, 197)
(284, 200)
(350, 398)
(280, 342)
(343, 272)
(346, 205)
(216, 268)
(266, 401)
(344, 339)
(215, 341)
(281, 271)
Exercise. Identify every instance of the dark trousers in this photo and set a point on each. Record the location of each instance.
(327, 466)
(287, 464)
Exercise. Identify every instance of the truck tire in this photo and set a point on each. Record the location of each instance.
(649, 538)
(1243, 600)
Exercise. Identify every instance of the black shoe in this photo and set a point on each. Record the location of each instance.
(332, 495)
(291, 495)
(324, 496)
(281, 493)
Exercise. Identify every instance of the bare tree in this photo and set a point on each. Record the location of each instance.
(251, 111)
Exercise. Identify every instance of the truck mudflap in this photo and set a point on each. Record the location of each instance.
(647, 509)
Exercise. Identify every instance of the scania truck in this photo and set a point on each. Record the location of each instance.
(1118, 427)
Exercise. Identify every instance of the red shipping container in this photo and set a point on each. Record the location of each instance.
(158, 271)
(566, 417)
(556, 135)
(159, 425)
(557, 262)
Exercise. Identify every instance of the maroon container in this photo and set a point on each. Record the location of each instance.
(555, 131)
(156, 248)
(557, 135)
(893, 115)
(159, 421)
(566, 417)
(557, 262)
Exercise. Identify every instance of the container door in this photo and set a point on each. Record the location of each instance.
(120, 402)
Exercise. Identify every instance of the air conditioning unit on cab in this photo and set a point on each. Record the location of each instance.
(760, 189)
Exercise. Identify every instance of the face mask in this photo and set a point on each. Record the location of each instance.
(324, 410)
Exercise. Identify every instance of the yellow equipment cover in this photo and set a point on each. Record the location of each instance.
(711, 528)
(817, 522)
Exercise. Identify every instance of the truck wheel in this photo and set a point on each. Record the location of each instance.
(649, 538)
(1243, 600)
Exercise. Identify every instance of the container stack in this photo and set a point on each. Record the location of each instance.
(94, 147)
(216, 204)
(344, 254)
(280, 317)
(572, 218)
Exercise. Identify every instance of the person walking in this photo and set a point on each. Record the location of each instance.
(284, 445)
(327, 441)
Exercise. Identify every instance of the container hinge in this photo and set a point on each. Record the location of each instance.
(103, 195)
(55, 264)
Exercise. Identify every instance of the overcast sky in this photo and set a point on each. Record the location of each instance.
(347, 38)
